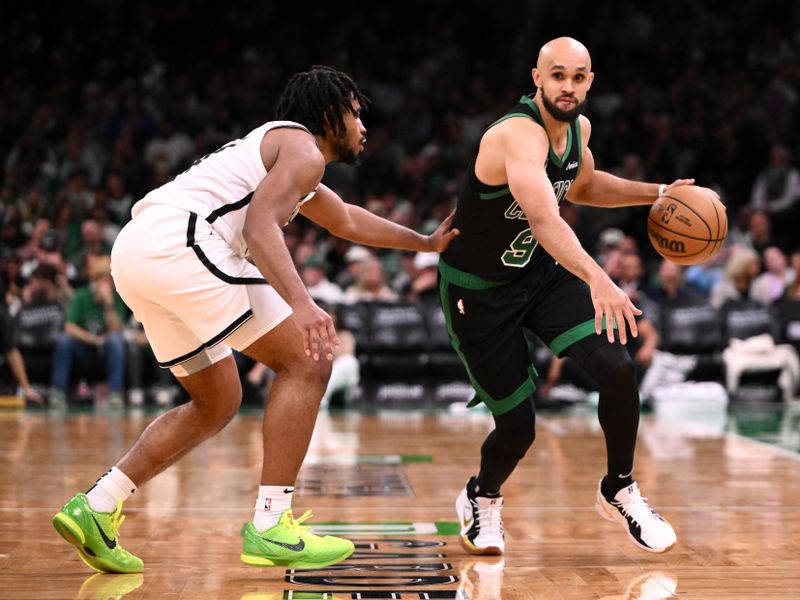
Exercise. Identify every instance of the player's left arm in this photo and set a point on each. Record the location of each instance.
(598, 188)
(358, 225)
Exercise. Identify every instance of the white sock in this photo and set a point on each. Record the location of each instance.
(112, 487)
(272, 501)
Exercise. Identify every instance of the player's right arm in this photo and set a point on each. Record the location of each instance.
(523, 146)
(294, 169)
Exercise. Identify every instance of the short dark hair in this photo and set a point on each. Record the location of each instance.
(313, 95)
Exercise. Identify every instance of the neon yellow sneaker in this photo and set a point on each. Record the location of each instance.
(95, 536)
(288, 544)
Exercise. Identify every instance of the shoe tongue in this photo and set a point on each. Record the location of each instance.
(488, 501)
(628, 493)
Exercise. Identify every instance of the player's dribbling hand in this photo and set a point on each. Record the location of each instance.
(319, 335)
(680, 182)
(440, 239)
(610, 301)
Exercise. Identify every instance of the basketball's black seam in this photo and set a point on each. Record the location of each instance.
(699, 216)
(719, 225)
(691, 237)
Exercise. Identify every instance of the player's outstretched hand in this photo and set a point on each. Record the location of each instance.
(319, 335)
(440, 239)
(615, 305)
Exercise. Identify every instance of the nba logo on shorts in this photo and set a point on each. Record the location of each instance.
(267, 503)
(460, 305)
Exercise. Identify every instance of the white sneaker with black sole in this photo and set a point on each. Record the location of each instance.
(646, 528)
(481, 522)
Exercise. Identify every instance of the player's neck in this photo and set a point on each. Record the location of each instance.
(326, 148)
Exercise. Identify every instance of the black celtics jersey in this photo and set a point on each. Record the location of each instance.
(496, 243)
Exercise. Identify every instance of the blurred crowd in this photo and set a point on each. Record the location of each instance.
(103, 101)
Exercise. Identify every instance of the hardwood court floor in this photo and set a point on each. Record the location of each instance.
(393, 478)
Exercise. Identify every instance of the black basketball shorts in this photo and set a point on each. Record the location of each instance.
(485, 321)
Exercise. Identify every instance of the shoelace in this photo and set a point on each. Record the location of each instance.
(490, 516)
(117, 519)
(636, 508)
(296, 524)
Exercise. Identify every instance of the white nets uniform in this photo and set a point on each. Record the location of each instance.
(180, 264)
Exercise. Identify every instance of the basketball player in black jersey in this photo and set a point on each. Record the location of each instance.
(518, 264)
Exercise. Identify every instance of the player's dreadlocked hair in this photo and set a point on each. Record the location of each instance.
(322, 92)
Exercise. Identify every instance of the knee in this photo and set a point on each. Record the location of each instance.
(612, 366)
(219, 413)
(63, 342)
(115, 344)
(315, 372)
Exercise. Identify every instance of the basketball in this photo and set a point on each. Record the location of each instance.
(687, 225)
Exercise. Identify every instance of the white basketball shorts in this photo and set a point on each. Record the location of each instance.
(194, 295)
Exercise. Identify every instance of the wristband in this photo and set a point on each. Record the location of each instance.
(661, 189)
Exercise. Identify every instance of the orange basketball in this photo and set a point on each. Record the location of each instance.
(687, 225)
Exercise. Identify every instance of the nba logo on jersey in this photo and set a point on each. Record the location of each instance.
(267, 503)
(460, 305)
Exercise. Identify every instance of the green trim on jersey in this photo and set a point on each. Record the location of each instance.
(464, 279)
(498, 407)
(575, 334)
(555, 158)
(493, 195)
(508, 116)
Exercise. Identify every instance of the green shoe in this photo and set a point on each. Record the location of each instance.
(95, 536)
(288, 544)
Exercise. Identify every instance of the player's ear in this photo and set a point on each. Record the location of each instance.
(591, 79)
(537, 77)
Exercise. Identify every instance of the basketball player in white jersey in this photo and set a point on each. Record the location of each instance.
(182, 266)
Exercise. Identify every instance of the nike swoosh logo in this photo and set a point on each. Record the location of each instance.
(108, 542)
(294, 547)
(466, 522)
(288, 490)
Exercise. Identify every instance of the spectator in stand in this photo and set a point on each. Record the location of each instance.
(40, 229)
(169, 150)
(93, 245)
(40, 321)
(11, 277)
(47, 252)
(608, 244)
(425, 283)
(319, 287)
(742, 268)
(11, 234)
(704, 276)
(671, 288)
(631, 275)
(93, 333)
(777, 191)
(354, 258)
(370, 285)
(770, 285)
(120, 200)
(9, 350)
(759, 234)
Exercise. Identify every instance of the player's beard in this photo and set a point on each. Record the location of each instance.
(346, 153)
(559, 114)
